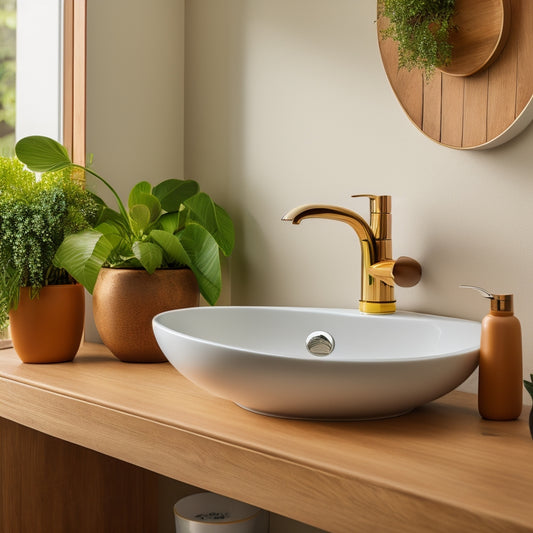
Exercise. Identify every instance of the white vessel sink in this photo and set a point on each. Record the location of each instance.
(381, 365)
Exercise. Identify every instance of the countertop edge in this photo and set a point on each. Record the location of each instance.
(325, 498)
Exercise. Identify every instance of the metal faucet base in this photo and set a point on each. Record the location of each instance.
(377, 307)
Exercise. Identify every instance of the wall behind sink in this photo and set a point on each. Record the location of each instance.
(286, 102)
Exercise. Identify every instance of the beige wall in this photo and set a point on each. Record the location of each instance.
(135, 90)
(135, 125)
(135, 58)
(287, 103)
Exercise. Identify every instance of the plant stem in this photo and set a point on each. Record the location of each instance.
(115, 194)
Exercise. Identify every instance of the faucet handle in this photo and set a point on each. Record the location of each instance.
(406, 271)
(378, 204)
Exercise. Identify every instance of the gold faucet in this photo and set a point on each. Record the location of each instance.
(379, 272)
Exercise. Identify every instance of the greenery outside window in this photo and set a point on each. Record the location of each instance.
(8, 23)
(8, 43)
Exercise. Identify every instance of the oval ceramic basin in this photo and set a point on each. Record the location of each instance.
(381, 365)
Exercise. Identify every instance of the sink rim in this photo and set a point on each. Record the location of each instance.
(302, 386)
(409, 316)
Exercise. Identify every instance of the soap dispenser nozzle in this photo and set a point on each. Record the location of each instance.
(499, 302)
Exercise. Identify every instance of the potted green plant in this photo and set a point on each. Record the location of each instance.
(43, 303)
(166, 231)
(421, 28)
(529, 388)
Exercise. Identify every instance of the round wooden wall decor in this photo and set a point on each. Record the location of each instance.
(483, 28)
(485, 97)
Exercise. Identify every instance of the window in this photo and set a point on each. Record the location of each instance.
(31, 73)
(8, 25)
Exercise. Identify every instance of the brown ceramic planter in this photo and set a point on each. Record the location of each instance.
(49, 328)
(126, 300)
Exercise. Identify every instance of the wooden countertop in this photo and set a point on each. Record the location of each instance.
(439, 469)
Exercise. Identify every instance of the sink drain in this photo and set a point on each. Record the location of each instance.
(320, 343)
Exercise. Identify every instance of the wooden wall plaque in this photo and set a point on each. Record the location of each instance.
(477, 111)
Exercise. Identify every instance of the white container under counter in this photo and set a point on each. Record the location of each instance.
(207, 512)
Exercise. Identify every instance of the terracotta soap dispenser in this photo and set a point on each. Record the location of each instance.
(500, 360)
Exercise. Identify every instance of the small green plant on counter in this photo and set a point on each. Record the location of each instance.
(170, 225)
(36, 215)
(529, 385)
(421, 29)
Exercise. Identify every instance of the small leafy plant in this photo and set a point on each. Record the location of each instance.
(170, 225)
(35, 217)
(529, 385)
(421, 29)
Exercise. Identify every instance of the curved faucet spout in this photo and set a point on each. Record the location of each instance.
(341, 214)
(369, 248)
(379, 272)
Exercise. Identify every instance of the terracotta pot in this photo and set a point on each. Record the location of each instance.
(49, 328)
(126, 300)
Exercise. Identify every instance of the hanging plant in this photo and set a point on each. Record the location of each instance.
(421, 28)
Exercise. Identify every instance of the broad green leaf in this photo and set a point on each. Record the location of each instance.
(225, 235)
(136, 193)
(214, 219)
(42, 154)
(131, 262)
(110, 215)
(170, 222)
(140, 217)
(149, 255)
(203, 211)
(172, 193)
(204, 257)
(171, 245)
(109, 228)
(195, 248)
(83, 254)
(152, 203)
(141, 195)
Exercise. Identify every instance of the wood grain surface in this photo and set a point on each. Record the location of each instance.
(440, 468)
(474, 111)
(481, 31)
(48, 485)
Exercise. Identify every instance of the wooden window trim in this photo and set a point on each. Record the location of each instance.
(74, 78)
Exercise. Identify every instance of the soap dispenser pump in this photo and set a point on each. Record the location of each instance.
(500, 360)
